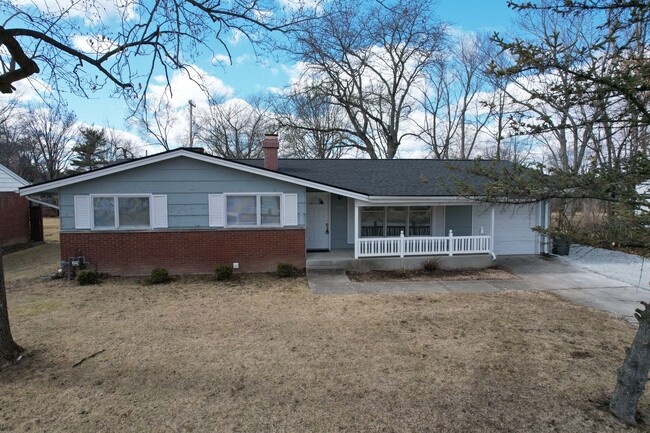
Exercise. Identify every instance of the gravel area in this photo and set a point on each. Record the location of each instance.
(628, 268)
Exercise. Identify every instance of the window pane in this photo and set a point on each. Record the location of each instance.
(420, 221)
(270, 209)
(395, 221)
(104, 212)
(133, 211)
(372, 221)
(241, 210)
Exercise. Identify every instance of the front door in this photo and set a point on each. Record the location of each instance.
(318, 221)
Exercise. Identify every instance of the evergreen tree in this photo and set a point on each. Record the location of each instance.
(89, 154)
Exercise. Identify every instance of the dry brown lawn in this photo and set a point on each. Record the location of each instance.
(264, 354)
(441, 274)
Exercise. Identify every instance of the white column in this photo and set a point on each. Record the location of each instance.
(451, 243)
(356, 229)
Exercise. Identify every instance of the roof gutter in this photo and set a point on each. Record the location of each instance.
(44, 203)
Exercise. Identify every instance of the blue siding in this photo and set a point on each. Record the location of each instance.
(459, 220)
(186, 182)
(339, 215)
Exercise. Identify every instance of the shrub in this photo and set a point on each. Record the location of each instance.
(222, 272)
(86, 277)
(285, 270)
(402, 273)
(159, 276)
(431, 266)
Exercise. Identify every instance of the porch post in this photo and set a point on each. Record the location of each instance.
(492, 232)
(451, 243)
(356, 229)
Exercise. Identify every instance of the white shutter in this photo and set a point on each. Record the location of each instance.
(290, 209)
(215, 210)
(159, 211)
(82, 211)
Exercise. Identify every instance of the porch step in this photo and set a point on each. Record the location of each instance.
(332, 264)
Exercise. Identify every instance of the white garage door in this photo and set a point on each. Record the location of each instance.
(512, 230)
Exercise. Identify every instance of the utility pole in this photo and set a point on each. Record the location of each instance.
(192, 106)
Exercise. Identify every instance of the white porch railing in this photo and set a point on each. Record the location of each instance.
(422, 245)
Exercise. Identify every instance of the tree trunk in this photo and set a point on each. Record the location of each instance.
(9, 350)
(633, 374)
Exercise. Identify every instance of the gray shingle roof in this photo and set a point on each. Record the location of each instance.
(396, 177)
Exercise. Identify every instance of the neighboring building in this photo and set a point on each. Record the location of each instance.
(14, 209)
(187, 212)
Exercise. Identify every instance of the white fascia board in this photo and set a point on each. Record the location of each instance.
(414, 201)
(189, 154)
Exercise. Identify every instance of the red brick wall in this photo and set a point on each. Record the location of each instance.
(186, 252)
(14, 219)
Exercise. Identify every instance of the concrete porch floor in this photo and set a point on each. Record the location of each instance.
(344, 259)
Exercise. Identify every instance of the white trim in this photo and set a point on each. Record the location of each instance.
(52, 185)
(349, 215)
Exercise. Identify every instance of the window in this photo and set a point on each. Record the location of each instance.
(270, 210)
(372, 221)
(420, 221)
(396, 218)
(253, 210)
(242, 210)
(124, 212)
(393, 220)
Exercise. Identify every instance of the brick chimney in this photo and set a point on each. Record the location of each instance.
(271, 145)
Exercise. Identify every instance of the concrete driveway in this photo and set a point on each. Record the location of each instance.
(532, 273)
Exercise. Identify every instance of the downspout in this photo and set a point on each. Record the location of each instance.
(356, 230)
(547, 224)
(494, 256)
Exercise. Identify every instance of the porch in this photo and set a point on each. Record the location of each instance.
(344, 259)
(400, 228)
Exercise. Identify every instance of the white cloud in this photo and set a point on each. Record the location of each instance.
(93, 44)
(300, 4)
(235, 37)
(242, 59)
(28, 90)
(220, 59)
(92, 13)
(184, 86)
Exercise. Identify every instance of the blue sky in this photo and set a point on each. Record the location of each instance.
(247, 75)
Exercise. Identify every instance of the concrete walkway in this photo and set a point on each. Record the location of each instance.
(531, 272)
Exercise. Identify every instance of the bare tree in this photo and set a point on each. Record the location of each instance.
(309, 124)
(85, 45)
(158, 119)
(366, 57)
(119, 147)
(455, 115)
(235, 129)
(49, 132)
(14, 153)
